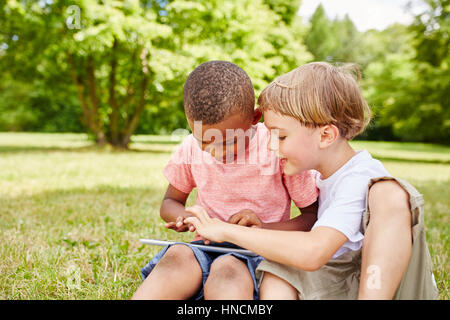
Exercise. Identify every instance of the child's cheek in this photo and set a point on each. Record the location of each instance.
(289, 152)
(283, 150)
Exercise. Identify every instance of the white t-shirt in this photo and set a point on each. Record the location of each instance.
(342, 198)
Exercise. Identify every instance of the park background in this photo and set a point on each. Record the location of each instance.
(91, 94)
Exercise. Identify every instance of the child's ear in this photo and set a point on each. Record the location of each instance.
(328, 134)
(257, 114)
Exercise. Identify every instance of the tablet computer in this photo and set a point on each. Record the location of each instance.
(213, 247)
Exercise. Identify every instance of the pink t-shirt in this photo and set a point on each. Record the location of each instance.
(223, 189)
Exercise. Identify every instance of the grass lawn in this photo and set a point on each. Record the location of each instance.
(71, 214)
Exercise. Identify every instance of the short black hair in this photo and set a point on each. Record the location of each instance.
(215, 89)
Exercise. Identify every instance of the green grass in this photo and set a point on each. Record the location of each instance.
(71, 214)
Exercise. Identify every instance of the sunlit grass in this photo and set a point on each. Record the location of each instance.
(406, 151)
(71, 214)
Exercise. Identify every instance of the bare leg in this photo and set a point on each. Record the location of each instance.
(229, 279)
(387, 243)
(176, 276)
(275, 288)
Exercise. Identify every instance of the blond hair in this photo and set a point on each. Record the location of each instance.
(319, 93)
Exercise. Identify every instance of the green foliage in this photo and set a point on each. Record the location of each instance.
(123, 60)
(431, 32)
(332, 40)
(114, 68)
(286, 9)
(319, 40)
(408, 86)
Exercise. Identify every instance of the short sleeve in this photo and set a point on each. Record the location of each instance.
(178, 170)
(302, 188)
(347, 207)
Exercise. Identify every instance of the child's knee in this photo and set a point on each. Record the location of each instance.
(178, 256)
(274, 288)
(388, 197)
(227, 270)
(228, 278)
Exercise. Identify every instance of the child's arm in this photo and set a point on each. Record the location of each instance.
(304, 250)
(173, 209)
(304, 222)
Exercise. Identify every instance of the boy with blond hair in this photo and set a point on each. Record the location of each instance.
(313, 112)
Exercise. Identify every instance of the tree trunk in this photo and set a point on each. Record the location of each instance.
(95, 119)
(119, 136)
(136, 115)
(134, 120)
(114, 117)
(89, 113)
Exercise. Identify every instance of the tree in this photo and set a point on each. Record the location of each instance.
(335, 40)
(125, 59)
(286, 9)
(103, 48)
(319, 39)
(431, 32)
(408, 85)
(347, 40)
(431, 42)
(262, 44)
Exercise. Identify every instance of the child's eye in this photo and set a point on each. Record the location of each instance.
(281, 138)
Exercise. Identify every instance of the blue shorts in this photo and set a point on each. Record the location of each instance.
(205, 259)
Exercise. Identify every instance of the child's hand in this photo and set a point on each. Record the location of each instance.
(209, 228)
(246, 218)
(179, 225)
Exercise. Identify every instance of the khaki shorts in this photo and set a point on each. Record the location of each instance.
(339, 278)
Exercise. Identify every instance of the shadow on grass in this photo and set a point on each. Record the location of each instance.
(20, 149)
(156, 141)
(88, 148)
(160, 147)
